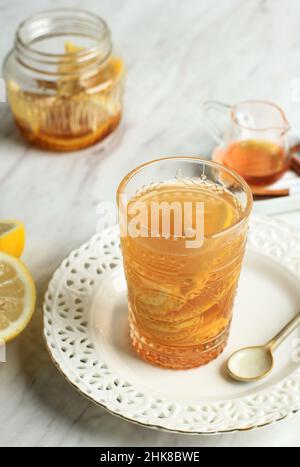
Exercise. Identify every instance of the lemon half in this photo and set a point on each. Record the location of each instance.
(17, 297)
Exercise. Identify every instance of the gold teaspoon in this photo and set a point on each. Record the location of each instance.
(255, 363)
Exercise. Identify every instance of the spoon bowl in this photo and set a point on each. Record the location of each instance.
(250, 364)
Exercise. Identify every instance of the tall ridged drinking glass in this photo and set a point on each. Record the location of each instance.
(184, 224)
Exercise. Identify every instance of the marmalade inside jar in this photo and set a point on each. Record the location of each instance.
(73, 112)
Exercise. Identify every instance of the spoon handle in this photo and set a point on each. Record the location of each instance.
(284, 333)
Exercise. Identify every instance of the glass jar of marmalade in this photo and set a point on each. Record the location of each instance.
(64, 84)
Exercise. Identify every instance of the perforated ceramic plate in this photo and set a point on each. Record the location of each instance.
(86, 330)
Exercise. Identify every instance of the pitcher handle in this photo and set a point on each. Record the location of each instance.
(212, 127)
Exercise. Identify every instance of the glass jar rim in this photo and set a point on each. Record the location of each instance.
(42, 25)
(246, 188)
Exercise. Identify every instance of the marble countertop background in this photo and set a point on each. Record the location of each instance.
(178, 53)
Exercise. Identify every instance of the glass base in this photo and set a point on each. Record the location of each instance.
(179, 358)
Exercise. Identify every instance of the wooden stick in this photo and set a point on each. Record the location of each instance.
(269, 192)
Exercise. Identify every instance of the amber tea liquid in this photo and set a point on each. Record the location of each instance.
(181, 299)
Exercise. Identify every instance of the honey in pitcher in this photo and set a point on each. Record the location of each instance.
(180, 298)
(258, 162)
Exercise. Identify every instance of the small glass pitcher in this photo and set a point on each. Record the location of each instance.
(255, 142)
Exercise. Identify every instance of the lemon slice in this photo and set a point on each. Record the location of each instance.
(12, 237)
(71, 48)
(108, 73)
(17, 297)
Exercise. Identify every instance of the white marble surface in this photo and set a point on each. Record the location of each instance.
(178, 53)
